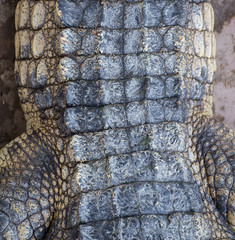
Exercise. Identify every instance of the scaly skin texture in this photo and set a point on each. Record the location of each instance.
(120, 140)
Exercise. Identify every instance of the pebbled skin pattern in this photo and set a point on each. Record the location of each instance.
(121, 142)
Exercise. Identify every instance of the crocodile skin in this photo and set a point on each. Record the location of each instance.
(120, 140)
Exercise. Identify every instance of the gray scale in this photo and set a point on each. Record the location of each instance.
(139, 149)
(158, 137)
(176, 226)
(139, 166)
(138, 199)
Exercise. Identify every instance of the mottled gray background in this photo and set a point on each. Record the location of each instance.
(11, 116)
(12, 121)
(224, 87)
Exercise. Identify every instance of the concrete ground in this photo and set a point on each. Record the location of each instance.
(224, 84)
(12, 122)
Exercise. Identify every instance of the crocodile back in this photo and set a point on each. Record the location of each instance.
(92, 59)
(122, 82)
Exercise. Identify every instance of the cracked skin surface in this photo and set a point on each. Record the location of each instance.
(120, 140)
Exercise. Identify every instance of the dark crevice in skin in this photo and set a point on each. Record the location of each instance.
(191, 213)
(46, 235)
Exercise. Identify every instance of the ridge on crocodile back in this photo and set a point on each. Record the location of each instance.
(120, 140)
